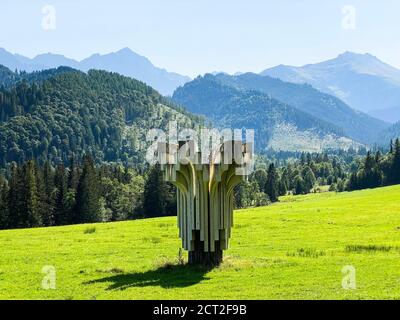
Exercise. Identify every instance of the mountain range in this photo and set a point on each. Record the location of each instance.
(125, 62)
(304, 97)
(361, 80)
(277, 125)
(289, 115)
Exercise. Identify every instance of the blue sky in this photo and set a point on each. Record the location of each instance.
(197, 36)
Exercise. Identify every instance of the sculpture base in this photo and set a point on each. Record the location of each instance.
(199, 256)
(205, 258)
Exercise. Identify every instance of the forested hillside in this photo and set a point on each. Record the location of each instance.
(9, 79)
(277, 125)
(391, 133)
(355, 124)
(62, 113)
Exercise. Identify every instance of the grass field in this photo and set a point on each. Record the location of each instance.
(294, 249)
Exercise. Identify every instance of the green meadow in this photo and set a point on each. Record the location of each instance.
(294, 249)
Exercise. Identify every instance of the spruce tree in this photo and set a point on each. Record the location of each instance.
(4, 218)
(308, 178)
(282, 187)
(260, 176)
(395, 168)
(73, 175)
(154, 193)
(30, 201)
(88, 207)
(352, 184)
(62, 212)
(46, 189)
(368, 175)
(299, 185)
(15, 198)
(271, 186)
(286, 177)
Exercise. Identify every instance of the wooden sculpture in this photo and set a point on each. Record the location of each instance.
(205, 194)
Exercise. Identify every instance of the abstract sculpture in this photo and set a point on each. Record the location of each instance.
(205, 184)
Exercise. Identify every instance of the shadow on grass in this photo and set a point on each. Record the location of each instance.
(168, 276)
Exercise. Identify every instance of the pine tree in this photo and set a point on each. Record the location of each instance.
(368, 178)
(271, 187)
(73, 175)
(154, 193)
(244, 194)
(46, 189)
(340, 185)
(30, 201)
(370, 175)
(299, 185)
(62, 212)
(282, 187)
(4, 218)
(352, 184)
(308, 178)
(286, 177)
(15, 198)
(88, 195)
(260, 176)
(395, 168)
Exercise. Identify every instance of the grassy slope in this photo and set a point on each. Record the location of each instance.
(123, 260)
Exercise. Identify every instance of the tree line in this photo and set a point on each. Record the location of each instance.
(33, 195)
(377, 170)
(36, 196)
(307, 174)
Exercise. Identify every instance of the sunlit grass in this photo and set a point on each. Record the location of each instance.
(295, 249)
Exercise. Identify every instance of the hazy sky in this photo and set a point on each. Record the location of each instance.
(197, 36)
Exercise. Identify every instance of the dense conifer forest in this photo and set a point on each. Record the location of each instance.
(63, 113)
(32, 195)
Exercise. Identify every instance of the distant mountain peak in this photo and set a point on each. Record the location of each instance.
(349, 54)
(128, 53)
(361, 80)
(126, 50)
(356, 57)
(49, 54)
(124, 61)
(356, 54)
